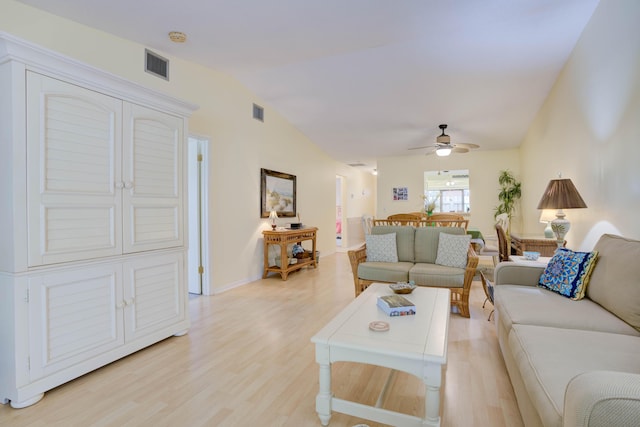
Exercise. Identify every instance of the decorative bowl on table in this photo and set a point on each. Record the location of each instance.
(531, 255)
(402, 287)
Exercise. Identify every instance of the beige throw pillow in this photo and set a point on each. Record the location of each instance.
(452, 250)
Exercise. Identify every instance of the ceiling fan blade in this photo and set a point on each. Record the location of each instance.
(460, 150)
(421, 148)
(470, 146)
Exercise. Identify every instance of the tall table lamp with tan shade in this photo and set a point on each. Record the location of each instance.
(561, 194)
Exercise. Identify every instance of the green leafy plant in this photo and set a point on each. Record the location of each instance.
(510, 193)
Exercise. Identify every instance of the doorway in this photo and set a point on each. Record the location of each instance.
(339, 212)
(198, 265)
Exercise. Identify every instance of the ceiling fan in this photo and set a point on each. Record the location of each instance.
(444, 147)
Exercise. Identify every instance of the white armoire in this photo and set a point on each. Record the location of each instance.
(92, 221)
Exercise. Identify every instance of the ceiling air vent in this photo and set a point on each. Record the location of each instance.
(156, 64)
(258, 112)
(356, 165)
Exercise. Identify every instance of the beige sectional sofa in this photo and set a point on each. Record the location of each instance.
(417, 253)
(574, 363)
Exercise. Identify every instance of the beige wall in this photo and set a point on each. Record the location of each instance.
(240, 144)
(589, 129)
(484, 168)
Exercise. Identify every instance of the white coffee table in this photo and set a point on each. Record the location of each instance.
(415, 344)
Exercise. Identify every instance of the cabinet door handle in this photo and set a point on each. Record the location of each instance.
(129, 301)
(121, 304)
(119, 184)
(128, 185)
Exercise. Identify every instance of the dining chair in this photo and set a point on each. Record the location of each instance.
(487, 285)
(503, 244)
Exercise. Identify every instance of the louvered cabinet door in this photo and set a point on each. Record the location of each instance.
(154, 293)
(153, 153)
(74, 163)
(74, 315)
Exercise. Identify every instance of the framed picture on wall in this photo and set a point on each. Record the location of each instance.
(400, 193)
(277, 192)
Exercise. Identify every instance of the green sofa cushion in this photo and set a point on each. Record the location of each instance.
(385, 271)
(426, 242)
(437, 276)
(404, 239)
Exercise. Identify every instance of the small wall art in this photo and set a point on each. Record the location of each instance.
(400, 193)
(277, 192)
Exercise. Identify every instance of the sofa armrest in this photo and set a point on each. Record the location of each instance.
(356, 257)
(470, 269)
(602, 399)
(510, 273)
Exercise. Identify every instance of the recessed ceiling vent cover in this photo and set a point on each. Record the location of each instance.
(156, 64)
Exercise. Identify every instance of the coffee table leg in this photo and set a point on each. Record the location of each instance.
(432, 381)
(323, 399)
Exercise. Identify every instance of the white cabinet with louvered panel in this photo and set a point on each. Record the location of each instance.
(92, 180)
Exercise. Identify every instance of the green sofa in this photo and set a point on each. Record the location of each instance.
(417, 250)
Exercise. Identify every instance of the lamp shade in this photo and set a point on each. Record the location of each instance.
(561, 194)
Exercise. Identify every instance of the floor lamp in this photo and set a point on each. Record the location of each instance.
(561, 194)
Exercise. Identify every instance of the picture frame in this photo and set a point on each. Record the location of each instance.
(400, 194)
(278, 192)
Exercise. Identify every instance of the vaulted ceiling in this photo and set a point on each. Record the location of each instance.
(365, 79)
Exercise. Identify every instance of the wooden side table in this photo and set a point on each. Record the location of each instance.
(284, 238)
(538, 243)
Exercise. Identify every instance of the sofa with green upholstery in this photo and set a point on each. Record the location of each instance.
(420, 255)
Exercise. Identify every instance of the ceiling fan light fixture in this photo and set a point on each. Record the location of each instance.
(443, 151)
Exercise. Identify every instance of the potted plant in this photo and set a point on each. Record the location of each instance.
(430, 204)
(510, 193)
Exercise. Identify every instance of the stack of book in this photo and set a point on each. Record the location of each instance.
(396, 305)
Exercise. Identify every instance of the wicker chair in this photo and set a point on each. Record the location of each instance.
(447, 220)
(488, 291)
(503, 244)
(441, 216)
(405, 217)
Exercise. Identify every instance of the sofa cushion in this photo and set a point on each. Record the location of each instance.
(382, 247)
(426, 242)
(437, 276)
(384, 271)
(537, 306)
(404, 239)
(614, 280)
(452, 250)
(548, 358)
(568, 272)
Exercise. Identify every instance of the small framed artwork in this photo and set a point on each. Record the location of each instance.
(277, 192)
(400, 193)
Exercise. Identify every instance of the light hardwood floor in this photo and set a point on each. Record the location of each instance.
(248, 361)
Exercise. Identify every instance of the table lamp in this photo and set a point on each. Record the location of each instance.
(273, 216)
(546, 217)
(561, 194)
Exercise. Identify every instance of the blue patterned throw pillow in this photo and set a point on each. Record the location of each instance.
(382, 247)
(568, 272)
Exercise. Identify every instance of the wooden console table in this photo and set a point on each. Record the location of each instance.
(538, 243)
(284, 238)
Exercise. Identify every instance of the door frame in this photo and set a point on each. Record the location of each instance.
(198, 253)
